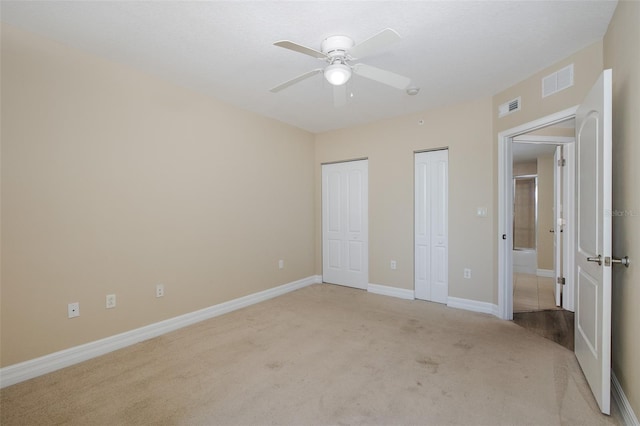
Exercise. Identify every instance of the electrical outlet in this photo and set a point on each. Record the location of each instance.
(111, 301)
(394, 265)
(159, 290)
(281, 264)
(467, 273)
(74, 309)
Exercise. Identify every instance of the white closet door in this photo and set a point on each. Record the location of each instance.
(345, 224)
(431, 226)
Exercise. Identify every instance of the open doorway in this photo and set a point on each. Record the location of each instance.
(542, 176)
(533, 231)
(541, 189)
(532, 132)
(542, 220)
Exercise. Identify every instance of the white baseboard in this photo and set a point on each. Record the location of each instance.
(473, 305)
(452, 302)
(385, 290)
(16, 373)
(545, 273)
(621, 400)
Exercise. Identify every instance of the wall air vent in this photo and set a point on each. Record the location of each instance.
(509, 107)
(557, 81)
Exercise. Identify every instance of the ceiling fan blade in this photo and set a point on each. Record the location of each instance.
(300, 49)
(374, 44)
(382, 76)
(340, 95)
(296, 80)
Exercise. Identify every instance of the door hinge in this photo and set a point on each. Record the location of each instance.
(560, 280)
(562, 162)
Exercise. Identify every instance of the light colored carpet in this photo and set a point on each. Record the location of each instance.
(321, 355)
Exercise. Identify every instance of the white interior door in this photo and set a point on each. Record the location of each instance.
(431, 226)
(558, 223)
(593, 239)
(345, 224)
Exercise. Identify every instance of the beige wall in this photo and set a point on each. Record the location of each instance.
(622, 54)
(586, 69)
(389, 145)
(545, 212)
(113, 181)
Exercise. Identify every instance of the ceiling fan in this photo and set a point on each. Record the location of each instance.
(338, 51)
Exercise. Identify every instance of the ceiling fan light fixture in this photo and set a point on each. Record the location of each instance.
(337, 74)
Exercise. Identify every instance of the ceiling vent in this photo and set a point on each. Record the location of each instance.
(557, 81)
(509, 107)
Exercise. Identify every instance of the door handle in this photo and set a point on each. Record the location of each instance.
(552, 230)
(624, 261)
(595, 259)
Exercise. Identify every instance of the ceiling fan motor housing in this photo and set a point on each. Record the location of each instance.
(337, 46)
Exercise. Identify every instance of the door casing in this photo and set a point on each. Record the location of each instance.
(505, 201)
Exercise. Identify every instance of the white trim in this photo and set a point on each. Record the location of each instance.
(401, 293)
(505, 226)
(549, 120)
(46, 364)
(473, 305)
(548, 273)
(505, 199)
(543, 140)
(568, 245)
(628, 416)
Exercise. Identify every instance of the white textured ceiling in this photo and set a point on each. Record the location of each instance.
(452, 50)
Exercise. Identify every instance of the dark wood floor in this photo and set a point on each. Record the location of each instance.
(556, 325)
